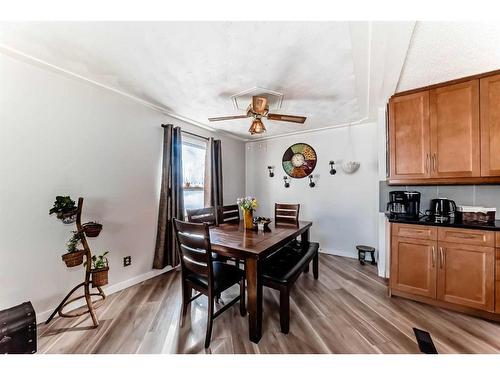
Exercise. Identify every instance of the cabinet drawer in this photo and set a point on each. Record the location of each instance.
(497, 240)
(467, 236)
(424, 232)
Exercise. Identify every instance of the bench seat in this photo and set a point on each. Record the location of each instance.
(281, 269)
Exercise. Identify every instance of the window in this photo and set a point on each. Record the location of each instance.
(193, 170)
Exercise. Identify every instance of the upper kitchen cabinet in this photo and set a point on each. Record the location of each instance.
(490, 125)
(446, 133)
(409, 136)
(455, 133)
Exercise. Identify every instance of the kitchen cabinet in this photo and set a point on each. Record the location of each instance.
(490, 125)
(454, 128)
(466, 275)
(446, 133)
(413, 266)
(409, 136)
(446, 265)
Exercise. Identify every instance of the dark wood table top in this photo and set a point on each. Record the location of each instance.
(234, 240)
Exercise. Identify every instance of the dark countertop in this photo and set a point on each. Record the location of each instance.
(425, 220)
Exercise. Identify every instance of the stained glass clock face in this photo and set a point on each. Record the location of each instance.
(299, 160)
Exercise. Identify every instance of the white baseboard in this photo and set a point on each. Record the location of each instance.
(340, 253)
(110, 289)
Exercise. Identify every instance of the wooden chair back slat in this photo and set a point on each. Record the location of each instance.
(286, 213)
(229, 214)
(194, 246)
(202, 215)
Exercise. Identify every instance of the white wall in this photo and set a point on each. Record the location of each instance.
(62, 136)
(343, 208)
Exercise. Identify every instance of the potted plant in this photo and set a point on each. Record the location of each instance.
(65, 208)
(99, 269)
(92, 228)
(248, 205)
(74, 257)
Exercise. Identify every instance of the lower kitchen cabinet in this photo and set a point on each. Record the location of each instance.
(458, 272)
(466, 275)
(413, 266)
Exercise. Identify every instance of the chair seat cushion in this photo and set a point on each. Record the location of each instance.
(225, 275)
(285, 265)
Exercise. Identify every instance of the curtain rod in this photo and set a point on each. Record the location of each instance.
(186, 132)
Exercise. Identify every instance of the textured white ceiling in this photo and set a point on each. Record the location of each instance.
(442, 51)
(192, 69)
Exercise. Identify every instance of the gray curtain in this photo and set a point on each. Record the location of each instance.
(213, 175)
(171, 198)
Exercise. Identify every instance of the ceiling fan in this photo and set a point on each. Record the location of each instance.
(258, 109)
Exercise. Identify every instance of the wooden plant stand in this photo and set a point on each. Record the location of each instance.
(91, 305)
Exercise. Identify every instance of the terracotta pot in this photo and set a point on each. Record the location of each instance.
(99, 277)
(74, 258)
(248, 219)
(92, 229)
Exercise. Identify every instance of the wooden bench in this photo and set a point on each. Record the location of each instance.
(281, 269)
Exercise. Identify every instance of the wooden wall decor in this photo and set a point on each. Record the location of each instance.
(299, 160)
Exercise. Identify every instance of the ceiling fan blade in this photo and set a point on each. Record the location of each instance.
(259, 104)
(227, 118)
(289, 118)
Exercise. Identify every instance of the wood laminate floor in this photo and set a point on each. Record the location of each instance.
(346, 311)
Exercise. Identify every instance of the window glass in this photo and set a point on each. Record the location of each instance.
(193, 169)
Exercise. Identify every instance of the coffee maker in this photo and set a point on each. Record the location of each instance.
(404, 204)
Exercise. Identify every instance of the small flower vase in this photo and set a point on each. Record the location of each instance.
(248, 219)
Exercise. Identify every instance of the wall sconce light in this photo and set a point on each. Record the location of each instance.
(332, 168)
(311, 182)
(287, 184)
(271, 171)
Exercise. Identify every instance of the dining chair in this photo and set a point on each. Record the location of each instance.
(286, 213)
(202, 215)
(201, 273)
(229, 214)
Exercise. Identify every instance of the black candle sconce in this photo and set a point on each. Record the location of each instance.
(287, 184)
(311, 182)
(271, 171)
(332, 168)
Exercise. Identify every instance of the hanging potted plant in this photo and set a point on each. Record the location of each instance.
(92, 228)
(74, 257)
(99, 270)
(65, 208)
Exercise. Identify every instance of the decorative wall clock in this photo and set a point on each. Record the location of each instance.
(299, 160)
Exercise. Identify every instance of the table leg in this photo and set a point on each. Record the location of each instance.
(254, 286)
(304, 240)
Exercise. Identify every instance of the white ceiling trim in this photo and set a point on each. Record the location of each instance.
(363, 121)
(44, 64)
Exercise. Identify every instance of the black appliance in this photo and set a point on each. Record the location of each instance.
(442, 209)
(404, 204)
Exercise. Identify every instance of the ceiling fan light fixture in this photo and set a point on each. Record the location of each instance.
(257, 127)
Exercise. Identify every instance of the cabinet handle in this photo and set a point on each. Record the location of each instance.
(434, 162)
(441, 257)
(433, 257)
(427, 163)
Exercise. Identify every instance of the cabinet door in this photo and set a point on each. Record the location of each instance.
(497, 279)
(466, 275)
(409, 143)
(413, 266)
(455, 133)
(490, 126)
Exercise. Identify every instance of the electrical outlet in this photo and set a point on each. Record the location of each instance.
(127, 261)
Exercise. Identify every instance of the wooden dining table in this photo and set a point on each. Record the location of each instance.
(253, 246)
